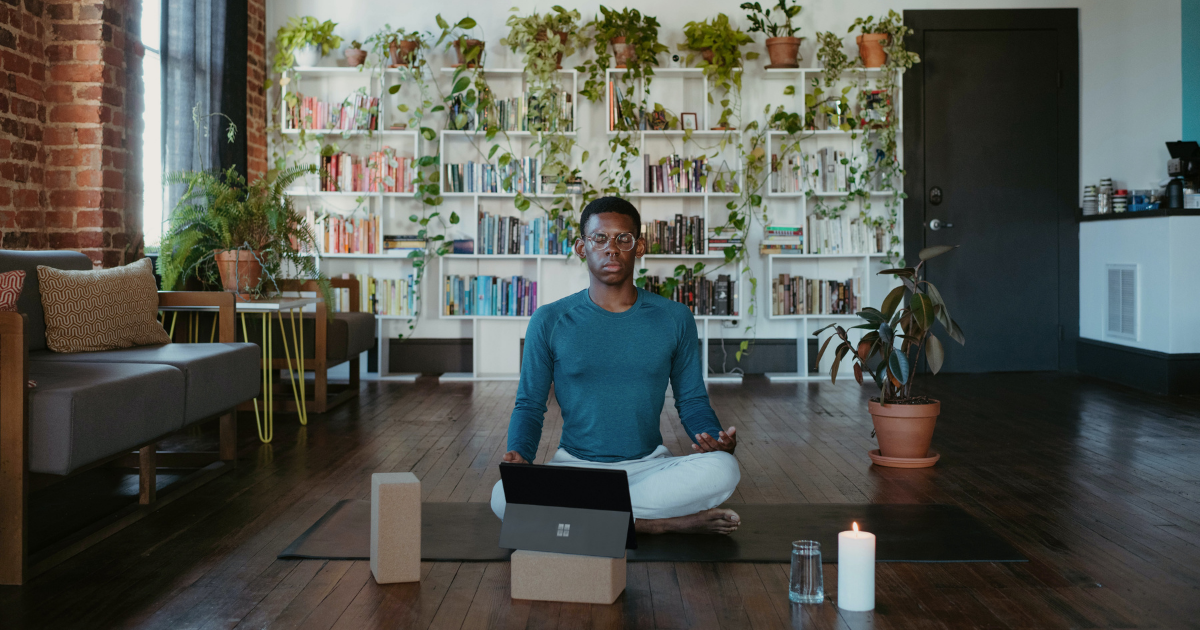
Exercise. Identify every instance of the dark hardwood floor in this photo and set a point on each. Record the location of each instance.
(1096, 484)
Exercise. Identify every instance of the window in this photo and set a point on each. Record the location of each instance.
(152, 167)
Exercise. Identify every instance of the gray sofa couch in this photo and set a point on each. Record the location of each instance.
(89, 409)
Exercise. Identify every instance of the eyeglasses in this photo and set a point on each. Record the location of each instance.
(624, 240)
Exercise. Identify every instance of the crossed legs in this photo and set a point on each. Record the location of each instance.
(669, 494)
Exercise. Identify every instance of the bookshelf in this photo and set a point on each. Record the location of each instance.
(333, 84)
(796, 207)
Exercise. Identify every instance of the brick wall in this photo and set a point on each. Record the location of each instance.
(256, 98)
(70, 128)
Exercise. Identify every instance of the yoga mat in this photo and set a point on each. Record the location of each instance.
(468, 532)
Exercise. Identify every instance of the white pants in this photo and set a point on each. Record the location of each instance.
(661, 486)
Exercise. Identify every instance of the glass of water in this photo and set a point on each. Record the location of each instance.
(808, 581)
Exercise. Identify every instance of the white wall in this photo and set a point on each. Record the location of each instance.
(1130, 76)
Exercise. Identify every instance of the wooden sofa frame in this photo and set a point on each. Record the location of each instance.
(17, 482)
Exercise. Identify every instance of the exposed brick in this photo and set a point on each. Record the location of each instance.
(93, 238)
(64, 240)
(77, 73)
(63, 11)
(75, 114)
(25, 198)
(75, 198)
(75, 32)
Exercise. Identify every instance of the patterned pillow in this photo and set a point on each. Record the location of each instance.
(103, 309)
(10, 289)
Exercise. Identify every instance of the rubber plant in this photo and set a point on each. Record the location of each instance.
(896, 336)
(720, 45)
(640, 32)
(297, 33)
(543, 40)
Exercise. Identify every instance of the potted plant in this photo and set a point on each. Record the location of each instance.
(468, 49)
(904, 422)
(877, 41)
(238, 236)
(720, 46)
(403, 49)
(633, 37)
(303, 41)
(355, 55)
(533, 34)
(783, 47)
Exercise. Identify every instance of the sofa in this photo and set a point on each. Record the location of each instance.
(61, 414)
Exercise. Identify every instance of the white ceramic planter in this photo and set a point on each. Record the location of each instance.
(307, 56)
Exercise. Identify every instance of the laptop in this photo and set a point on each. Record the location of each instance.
(562, 509)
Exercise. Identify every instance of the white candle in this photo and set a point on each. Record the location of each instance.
(856, 570)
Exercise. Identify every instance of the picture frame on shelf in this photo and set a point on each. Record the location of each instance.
(688, 121)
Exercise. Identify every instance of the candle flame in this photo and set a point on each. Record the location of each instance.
(855, 526)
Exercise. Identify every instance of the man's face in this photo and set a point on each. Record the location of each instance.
(610, 265)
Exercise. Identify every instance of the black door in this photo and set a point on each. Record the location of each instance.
(988, 175)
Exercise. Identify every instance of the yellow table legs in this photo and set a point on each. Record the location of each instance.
(266, 420)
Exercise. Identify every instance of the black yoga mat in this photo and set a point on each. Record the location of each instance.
(468, 532)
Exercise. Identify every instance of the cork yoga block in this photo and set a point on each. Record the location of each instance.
(560, 577)
(395, 527)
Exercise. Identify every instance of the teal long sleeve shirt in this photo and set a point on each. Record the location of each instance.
(610, 373)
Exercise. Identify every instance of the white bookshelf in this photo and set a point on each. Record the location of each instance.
(822, 266)
(333, 84)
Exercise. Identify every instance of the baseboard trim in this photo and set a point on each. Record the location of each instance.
(1147, 370)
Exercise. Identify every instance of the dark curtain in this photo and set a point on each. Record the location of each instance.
(204, 71)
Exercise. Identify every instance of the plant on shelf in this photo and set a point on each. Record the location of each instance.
(881, 121)
(355, 55)
(544, 39)
(783, 47)
(720, 48)
(896, 336)
(303, 41)
(469, 50)
(227, 233)
(882, 41)
(634, 38)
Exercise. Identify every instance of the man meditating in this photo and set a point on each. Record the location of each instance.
(609, 351)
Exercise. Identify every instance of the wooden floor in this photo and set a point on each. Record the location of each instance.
(1096, 484)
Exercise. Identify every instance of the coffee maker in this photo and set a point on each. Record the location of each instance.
(1183, 169)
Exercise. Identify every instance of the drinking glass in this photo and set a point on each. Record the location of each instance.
(808, 581)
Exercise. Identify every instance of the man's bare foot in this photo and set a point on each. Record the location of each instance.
(714, 521)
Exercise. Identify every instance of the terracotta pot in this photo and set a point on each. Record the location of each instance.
(402, 52)
(784, 51)
(241, 272)
(355, 56)
(562, 37)
(707, 54)
(904, 430)
(622, 52)
(870, 49)
(471, 44)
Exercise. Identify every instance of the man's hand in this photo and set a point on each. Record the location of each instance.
(725, 441)
(513, 457)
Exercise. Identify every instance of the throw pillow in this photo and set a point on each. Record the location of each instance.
(102, 309)
(10, 289)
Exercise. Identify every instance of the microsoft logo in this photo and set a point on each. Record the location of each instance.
(564, 530)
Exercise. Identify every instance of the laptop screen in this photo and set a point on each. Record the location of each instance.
(569, 487)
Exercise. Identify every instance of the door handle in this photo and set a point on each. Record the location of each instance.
(935, 195)
(937, 224)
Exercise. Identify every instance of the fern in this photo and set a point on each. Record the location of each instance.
(220, 211)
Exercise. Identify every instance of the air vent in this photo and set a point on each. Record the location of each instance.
(1122, 301)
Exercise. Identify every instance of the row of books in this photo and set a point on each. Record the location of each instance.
(553, 112)
(510, 235)
(381, 171)
(336, 234)
(514, 296)
(359, 112)
(676, 175)
(782, 239)
(473, 177)
(727, 237)
(402, 244)
(701, 295)
(797, 295)
(845, 235)
(684, 235)
(827, 170)
(381, 296)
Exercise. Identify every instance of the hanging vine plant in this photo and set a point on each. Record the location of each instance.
(720, 48)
